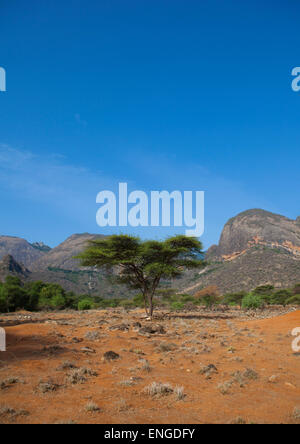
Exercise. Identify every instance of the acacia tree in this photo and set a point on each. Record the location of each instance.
(142, 264)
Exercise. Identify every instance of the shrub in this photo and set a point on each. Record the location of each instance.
(234, 298)
(280, 297)
(252, 300)
(127, 303)
(187, 298)
(296, 289)
(138, 300)
(209, 300)
(294, 300)
(209, 296)
(85, 304)
(264, 290)
(177, 305)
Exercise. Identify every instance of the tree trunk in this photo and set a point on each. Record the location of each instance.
(151, 308)
(145, 303)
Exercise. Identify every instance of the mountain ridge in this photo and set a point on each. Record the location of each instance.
(256, 247)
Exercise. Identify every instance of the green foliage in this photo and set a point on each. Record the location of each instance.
(143, 264)
(85, 304)
(187, 298)
(51, 296)
(3, 304)
(296, 289)
(233, 299)
(294, 300)
(264, 289)
(280, 297)
(13, 294)
(252, 300)
(177, 305)
(209, 300)
(138, 300)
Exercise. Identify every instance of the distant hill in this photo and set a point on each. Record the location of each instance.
(21, 250)
(41, 247)
(256, 248)
(8, 266)
(59, 265)
(62, 256)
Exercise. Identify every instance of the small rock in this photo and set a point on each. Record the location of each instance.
(289, 385)
(87, 350)
(273, 379)
(111, 356)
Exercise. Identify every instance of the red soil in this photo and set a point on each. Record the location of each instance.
(262, 345)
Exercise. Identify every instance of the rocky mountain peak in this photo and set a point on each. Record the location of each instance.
(9, 266)
(258, 227)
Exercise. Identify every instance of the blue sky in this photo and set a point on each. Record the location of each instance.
(160, 94)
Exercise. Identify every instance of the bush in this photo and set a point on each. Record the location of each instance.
(296, 289)
(85, 304)
(177, 305)
(281, 297)
(294, 300)
(233, 299)
(127, 303)
(208, 296)
(252, 300)
(264, 290)
(187, 298)
(209, 300)
(138, 300)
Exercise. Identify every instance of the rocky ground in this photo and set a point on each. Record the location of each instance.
(113, 366)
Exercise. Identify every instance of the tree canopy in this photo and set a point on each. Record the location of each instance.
(143, 264)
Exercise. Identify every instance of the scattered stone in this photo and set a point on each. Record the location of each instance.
(296, 413)
(152, 329)
(273, 379)
(208, 370)
(88, 350)
(47, 386)
(120, 327)
(111, 356)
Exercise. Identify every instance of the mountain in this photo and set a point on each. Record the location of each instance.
(33, 262)
(59, 266)
(62, 256)
(21, 250)
(256, 247)
(41, 247)
(257, 228)
(9, 266)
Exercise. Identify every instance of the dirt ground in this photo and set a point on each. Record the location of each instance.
(181, 368)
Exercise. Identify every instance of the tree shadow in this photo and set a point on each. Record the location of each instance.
(32, 347)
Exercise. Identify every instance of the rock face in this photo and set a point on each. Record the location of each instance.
(59, 266)
(256, 248)
(62, 256)
(20, 249)
(257, 228)
(8, 266)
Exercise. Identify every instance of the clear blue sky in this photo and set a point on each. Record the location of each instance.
(161, 94)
